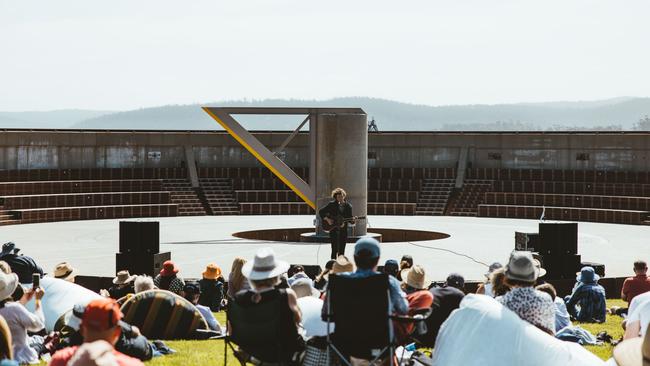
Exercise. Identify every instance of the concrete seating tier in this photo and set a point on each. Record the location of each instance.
(267, 196)
(94, 212)
(384, 184)
(79, 186)
(412, 173)
(246, 173)
(468, 198)
(559, 175)
(219, 196)
(433, 198)
(608, 189)
(83, 199)
(275, 208)
(187, 199)
(257, 184)
(375, 208)
(393, 196)
(569, 200)
(564, 213)
(91, 174)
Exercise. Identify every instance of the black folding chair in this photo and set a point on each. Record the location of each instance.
(257, 331)
(359, 308)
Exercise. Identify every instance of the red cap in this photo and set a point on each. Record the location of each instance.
(101, 314)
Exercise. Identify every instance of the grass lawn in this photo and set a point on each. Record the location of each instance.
(211, 352)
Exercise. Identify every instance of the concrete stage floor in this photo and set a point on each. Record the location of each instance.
(90, 246)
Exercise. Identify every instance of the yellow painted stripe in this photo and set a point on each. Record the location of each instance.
(174, 319)
(261, 159)
(150, 320)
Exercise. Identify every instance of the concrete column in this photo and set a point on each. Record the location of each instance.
(339, 155)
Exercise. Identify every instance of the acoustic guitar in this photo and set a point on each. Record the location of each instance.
(339, 221)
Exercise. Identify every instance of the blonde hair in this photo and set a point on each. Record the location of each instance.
(499, 282)
(6, 349)
(5, 267)
(340, 191)
(236, 277)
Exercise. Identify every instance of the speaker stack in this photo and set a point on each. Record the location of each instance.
(140, 247)
(558, 248)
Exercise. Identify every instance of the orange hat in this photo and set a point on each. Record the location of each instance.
(101, 314)
(212, 272)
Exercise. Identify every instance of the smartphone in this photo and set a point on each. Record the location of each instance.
(36, 280)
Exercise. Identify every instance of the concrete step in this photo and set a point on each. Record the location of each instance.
(9, 222)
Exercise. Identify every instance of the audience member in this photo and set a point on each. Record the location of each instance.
(342, 265)
(98, 353)
(143, 283)
(64, 271)
(236, 280)
(192, 293)
(391, 267)
(20, 320)
(541, 270)
(4, 267)
(590, 296)
(211, 287)
(21, 265)
(418, 298)
(498, 282)
(562, 318)
(485, 288)
(310, 307)
(637, 321)
(445, 300)
(122, 285)
(455, 280)
(405, 263)
(531, 305)
(168, 278)
(297, 273)
(632, 352)
(6, 350)
(100, 321)
(321, 279)
(640, 283)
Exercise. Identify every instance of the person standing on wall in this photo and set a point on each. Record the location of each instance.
(337, 214)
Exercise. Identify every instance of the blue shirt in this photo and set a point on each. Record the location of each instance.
(591, 299)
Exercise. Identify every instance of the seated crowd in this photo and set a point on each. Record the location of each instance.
(264, 297)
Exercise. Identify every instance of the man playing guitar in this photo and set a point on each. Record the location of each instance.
(338, 210)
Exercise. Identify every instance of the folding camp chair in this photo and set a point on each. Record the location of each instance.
(257, 332)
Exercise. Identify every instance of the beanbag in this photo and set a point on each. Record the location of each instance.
(482, 332)
(163, 315)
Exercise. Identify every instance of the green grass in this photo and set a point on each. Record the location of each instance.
(211, 352)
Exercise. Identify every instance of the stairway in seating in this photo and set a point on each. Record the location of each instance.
(434, 196)
(470, 196)
(182, 194)
(220, 196)
(6, 218)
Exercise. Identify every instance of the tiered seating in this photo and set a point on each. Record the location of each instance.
(469, 197)
(219, 194)
(183, 195)
(409, 191)
(599, 196)
(434, 196)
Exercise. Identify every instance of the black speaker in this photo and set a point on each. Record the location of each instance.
(139, 237)
(599, 268)
(141, 263)
(526, 241)
(558, 238)
(561, 266)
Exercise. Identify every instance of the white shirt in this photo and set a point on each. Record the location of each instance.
(562, 318)
(488, 289)
(314, 326)
(638, 300)
(642, 314)
(213, 324)
(21, 321)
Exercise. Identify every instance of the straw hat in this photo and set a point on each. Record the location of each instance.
(8, 284)
(123, 277)
(212, 272)
(634, 352)
(538, 264)
(415, 277)
(264, 266)
(304, 287)
(342, 264)
(64, 271)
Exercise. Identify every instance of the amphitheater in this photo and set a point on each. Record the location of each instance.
(62, 193)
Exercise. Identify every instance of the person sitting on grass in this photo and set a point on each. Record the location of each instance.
(168, 279)
(562, 318)
(100, 321)
(212, 287)
(192, 293)
(590, 296)
(531, 305)
(637, 321)
(634, 286)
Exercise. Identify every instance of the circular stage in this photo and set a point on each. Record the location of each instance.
(90, 246)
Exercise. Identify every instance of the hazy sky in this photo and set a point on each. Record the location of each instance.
(134, 53)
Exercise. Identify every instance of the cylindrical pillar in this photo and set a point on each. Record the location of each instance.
(340, 159)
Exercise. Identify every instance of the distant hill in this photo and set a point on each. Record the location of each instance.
(63, 118)
(391, 115)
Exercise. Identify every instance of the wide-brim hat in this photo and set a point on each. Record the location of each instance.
(587, 275)
(304, 287)
(123, 277)
(342, 265)
(264, 266)
(521, 267)
(493, 267)
(633, 352)
(7, 248)
(169, 269)
(538, 264)
(8, 284)
(64, 271)
(212, 272)
(415, 277)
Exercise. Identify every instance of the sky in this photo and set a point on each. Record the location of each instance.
(125, 54)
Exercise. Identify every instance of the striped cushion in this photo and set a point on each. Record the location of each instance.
(162, 315)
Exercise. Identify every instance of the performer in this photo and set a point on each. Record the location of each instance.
(337, 210)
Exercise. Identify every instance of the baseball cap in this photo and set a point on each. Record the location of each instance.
(101, 314)
(455, 280)
(369, 244)
(192, 288)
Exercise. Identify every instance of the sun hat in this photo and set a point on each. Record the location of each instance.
(169, 269)
(264, 266)
(8, 284)
(7, 248)
(212, 272)
(493, 267)
(538, 264)
(342, 264)
(634, 351)
(521, 267)
(369, 244)
(97, 353)
(415, 277)
(123, 277)
(304, 287)
(101, 314)
(587, 275)
(64, 271)
(455, 280)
